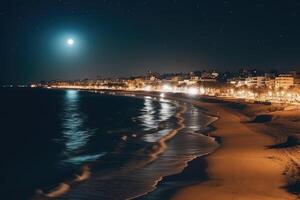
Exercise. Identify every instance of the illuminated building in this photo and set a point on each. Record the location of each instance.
(284, 81)
(257, 81)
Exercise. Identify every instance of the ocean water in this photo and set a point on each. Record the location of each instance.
(69, 144)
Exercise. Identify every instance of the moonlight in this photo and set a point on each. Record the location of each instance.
(70, 42)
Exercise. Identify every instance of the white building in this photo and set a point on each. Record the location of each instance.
(257, 81)
(284, 81)
(270, 83)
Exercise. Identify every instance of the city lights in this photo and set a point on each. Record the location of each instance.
(166, 88)
(260, 92)
(193, 91)
(147, 88)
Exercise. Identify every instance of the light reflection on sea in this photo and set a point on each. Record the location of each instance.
(164, 111)
(75, 136)
(147, 115)
(137, 176)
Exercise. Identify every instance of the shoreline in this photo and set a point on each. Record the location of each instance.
(185, 173)
(162, 144)
(155, 151)
(272, 180)
(249, 169)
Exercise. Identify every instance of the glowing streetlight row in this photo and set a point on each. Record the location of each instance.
(247, 94)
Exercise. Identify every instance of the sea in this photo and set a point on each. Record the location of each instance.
(88, 145)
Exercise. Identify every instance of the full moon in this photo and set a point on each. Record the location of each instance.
(70, 42)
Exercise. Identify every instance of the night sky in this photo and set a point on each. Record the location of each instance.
(129, 37)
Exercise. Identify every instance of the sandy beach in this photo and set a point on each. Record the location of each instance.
(244, 167)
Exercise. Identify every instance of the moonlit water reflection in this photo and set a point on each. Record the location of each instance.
(166, 110)
(127, 174)
(195, 115)
(75, 136)
(151, 119)
(193, 118)
(147, 115)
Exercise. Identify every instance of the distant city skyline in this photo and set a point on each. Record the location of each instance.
(251, 85)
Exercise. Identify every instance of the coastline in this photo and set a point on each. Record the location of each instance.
(154, 153)
(187, 173)
(253, 166)
(250, 168)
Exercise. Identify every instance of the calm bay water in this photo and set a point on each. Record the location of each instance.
(68, 144)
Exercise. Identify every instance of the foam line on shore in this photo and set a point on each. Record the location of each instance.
(169, 136)
(63, 187)
(162, 142)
